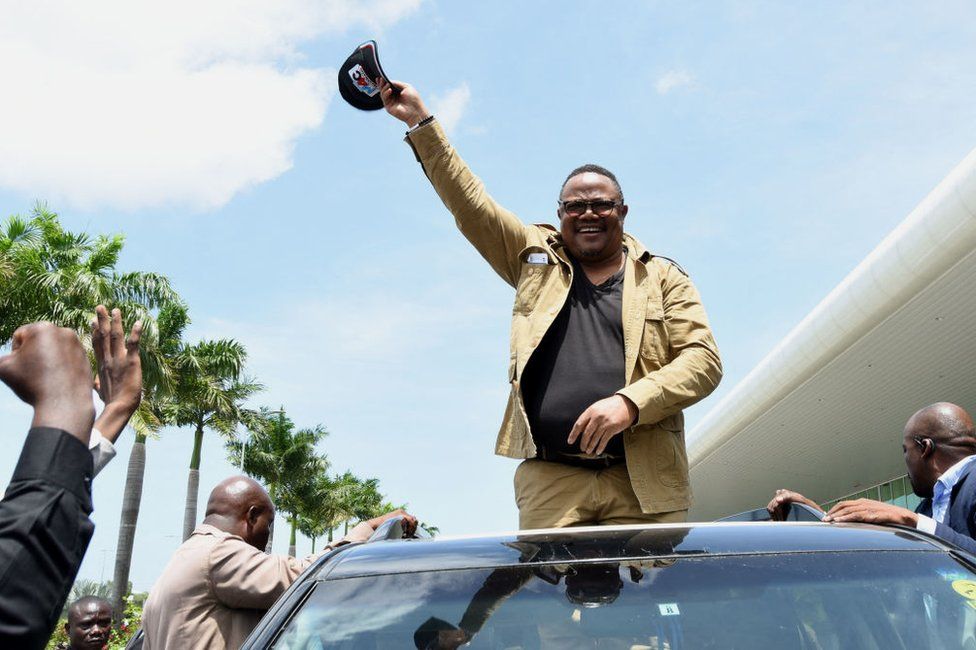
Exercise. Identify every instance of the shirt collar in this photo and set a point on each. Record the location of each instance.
(951, 476)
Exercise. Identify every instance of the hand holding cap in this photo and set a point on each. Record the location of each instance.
(358, 75)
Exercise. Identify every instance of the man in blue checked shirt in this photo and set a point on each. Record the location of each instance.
(939, 448)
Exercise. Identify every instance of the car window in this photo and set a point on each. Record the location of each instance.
(810, 601)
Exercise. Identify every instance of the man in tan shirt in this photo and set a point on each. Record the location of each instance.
(220, 582)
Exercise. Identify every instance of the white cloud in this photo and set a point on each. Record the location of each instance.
(136, 104)
(450, 107)
(673, 79)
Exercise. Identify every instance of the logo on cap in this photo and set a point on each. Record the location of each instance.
(362, 81)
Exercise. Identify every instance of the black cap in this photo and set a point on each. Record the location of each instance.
(357, 78)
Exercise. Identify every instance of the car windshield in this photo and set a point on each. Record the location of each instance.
(880, 600)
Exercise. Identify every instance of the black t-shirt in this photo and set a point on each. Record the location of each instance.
(579, 361)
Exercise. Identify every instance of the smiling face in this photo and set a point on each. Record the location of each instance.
(591, 238)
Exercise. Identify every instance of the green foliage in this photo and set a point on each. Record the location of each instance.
(329, 501)
(49, 273)
(283, 458)
(209, 387)
(83, 587)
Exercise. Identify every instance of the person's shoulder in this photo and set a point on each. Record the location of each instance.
(967, 480)
(545, 231)
(662, 263)
(667, 264)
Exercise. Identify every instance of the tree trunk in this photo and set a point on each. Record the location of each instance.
(291, 541)
(330, 535)
(131, 499)
(193, 486)
(345, 529)
(313, 546)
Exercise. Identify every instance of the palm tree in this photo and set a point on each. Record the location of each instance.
(284, 459)
(147, 420)
(325, 504)
(366, 503)
(48, 273)
(210, 392)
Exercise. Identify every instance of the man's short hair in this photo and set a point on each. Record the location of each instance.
(596, 169)
(85, 600)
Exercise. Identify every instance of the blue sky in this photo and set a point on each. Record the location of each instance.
(766, 146)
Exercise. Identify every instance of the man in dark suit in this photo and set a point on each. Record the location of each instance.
(940, 451)
(44, 514)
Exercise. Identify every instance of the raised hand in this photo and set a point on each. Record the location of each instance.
(409, 521)
(402, 101)
(119, 382)
(47, 368)
(779, 505)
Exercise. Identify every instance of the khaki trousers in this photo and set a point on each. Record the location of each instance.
(554, 495)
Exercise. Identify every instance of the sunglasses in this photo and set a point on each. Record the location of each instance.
(599, 207)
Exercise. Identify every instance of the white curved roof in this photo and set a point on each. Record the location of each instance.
(824, 411)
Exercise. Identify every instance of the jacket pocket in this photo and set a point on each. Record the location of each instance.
(671, 459)
(532, 277)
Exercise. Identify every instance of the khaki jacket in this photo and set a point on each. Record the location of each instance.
(671, 358)
(217, 587)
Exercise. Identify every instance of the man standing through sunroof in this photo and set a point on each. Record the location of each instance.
(609, 343)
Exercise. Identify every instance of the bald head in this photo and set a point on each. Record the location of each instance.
(233, 496)
(240, 506)
(945, 424)
(936, 438)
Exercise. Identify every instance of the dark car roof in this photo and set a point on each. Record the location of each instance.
(616, 543)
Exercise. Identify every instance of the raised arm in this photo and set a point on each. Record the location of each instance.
(494, 231)
(44, 522)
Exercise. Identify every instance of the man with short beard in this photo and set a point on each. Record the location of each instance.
(609, 343)
(89, 625)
